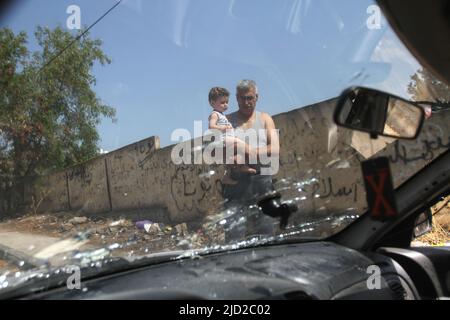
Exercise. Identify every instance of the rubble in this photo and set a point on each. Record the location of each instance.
(78, 220)
(141, 237)
(120, 222)
(141, 224)
(182, 229)
(153, 228)
(67, 227)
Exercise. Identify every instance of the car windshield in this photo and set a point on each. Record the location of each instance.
(116, 118)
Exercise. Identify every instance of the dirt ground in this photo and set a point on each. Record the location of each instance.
(102, 231)
(440, 234)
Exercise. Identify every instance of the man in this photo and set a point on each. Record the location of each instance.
(258, 130)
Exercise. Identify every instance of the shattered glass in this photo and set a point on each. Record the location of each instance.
(184, 216)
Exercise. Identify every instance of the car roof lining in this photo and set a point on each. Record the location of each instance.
(424, 28)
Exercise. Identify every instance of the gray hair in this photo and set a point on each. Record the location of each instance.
(245, 85)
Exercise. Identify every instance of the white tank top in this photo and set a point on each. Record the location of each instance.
(258, 127)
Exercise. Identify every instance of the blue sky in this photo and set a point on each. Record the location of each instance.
(167, 54)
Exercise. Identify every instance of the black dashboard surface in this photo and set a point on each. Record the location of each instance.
(316, 270)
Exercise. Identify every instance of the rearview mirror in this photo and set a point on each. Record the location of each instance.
(379, 113)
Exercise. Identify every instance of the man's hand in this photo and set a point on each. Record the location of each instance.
(242, 152)
(227, 128)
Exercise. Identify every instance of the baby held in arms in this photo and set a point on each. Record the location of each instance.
(218, 99)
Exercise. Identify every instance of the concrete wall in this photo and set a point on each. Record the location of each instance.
(54, 191)
(319, 169)
(99, 185)
(128, 189)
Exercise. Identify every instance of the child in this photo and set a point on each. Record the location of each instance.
(218, 99)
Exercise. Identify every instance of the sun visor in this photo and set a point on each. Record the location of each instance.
(424, 27)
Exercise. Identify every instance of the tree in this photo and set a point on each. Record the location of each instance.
(426, 87)
(48, 108)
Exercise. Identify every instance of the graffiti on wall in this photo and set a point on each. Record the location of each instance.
(196, 188)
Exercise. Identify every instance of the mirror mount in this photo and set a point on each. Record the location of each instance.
(272, 206)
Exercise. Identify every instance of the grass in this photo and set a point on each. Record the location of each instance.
(440, 233)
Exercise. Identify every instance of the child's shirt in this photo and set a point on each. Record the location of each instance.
(222, 121)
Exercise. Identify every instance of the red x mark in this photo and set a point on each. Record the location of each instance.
(380, 199)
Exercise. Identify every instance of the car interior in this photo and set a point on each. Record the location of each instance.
(371, 258)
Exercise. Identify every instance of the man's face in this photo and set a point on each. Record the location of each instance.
(247, 101)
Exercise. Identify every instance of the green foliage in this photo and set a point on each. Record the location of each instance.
(48, 115)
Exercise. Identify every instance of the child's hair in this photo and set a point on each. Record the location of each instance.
(218, 92)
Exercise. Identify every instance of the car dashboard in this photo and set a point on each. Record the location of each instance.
(303, 271)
